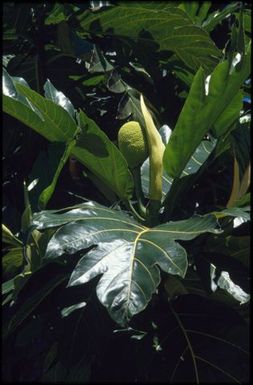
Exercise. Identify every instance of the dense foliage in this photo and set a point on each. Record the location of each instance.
(115, 270)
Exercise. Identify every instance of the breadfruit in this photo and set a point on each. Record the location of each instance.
(133, 144)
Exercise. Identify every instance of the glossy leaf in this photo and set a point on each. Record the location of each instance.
(200, 111)
(44, 116)
(225, 283)
(126, 254)
(59, 98)
(93, 147)
(9, 238)
(66, 311)
(237, 212)
(143, 21)
(196, 161)
(95, 150)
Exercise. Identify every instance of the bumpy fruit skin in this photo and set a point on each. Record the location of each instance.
(133, 144)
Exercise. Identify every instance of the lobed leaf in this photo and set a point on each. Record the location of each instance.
(143, 21)
(126, 254)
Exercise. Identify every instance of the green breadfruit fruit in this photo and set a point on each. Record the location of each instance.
(133, 143)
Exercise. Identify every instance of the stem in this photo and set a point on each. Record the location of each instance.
(134, 212)
(136, 172)
(153, 212)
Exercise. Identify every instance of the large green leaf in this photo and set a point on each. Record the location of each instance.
(197, 11)
(157, 21)
(126, 254)
(95, 150)
(59, 98)
(54, 119)
(42, 115)
(201, 111)
(196, 161)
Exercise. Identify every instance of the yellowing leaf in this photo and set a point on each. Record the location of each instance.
(156, 150)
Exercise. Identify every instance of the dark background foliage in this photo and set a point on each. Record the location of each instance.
(47, 41)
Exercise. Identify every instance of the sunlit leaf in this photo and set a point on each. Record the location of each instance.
(196, 161)
(9, 238)
(59, 98)
(68, 310)
(126, 254)
(44, 116)
(201, 111)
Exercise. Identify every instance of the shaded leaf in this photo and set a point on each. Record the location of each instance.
(33, 301)
(12, 262)
(56, 15)
(190, 43)
(196, 11)
(102, 157)
(50, 357)
(215, 344)
(236, 247)
(234, 195)
(8, 286)
(217, 16)
(98, 63)
(245, 200)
